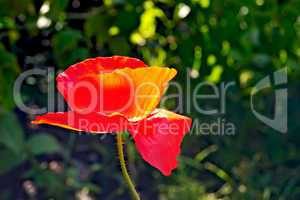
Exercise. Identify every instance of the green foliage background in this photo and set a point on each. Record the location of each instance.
(221, 41)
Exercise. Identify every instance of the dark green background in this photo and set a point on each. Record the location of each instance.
(230, 40)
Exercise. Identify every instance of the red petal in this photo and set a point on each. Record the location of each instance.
(93, 123)
(102, 64)
(133, 93)
(159, 137)
(89, 67)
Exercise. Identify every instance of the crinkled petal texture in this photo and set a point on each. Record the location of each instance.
(111, 85)
(158, 138)
(92, 122)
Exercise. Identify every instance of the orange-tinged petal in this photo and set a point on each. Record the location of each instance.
(158, 138)
(134, 93)
(149, 85)
(92, 123)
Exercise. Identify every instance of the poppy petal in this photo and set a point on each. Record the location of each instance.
(102, 64)
(92, 123)
(92, 66)
(149, 85)
(158, 138)
(133, 93)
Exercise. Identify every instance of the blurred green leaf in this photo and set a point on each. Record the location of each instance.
(7, 23)
(97, 26)
(45, 178)
(119, 46)
(218, 171)
(66, 47)
(261, 60)
(9, 160)
(77, 54)
(187, 188)
(65, 41)
(205, 153)
(14, 7)
(57, 8)
(11, 133)
(43, 144)
(130, 18)
(8, 72)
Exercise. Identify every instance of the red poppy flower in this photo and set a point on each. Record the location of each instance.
(115, 94)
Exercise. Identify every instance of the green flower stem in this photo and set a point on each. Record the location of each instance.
(134, 194)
